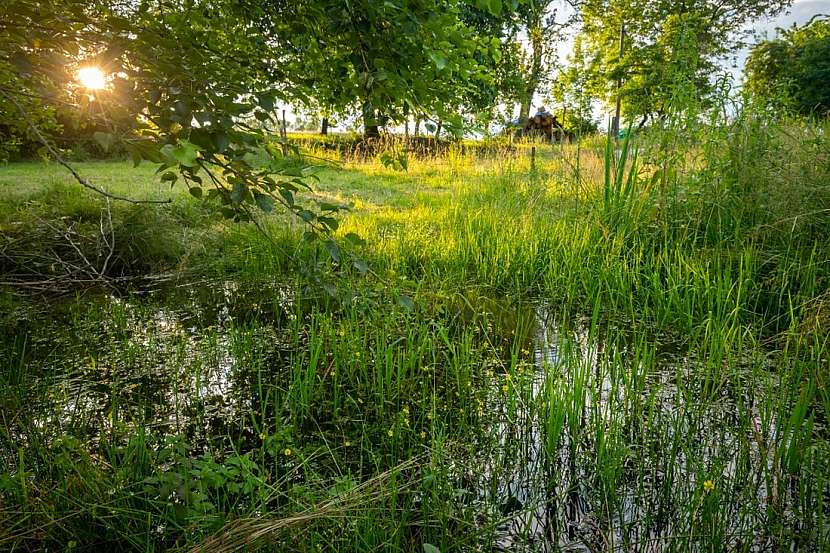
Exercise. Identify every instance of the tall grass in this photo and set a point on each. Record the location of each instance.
(678, 402)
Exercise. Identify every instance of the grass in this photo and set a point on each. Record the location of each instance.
(610, 349)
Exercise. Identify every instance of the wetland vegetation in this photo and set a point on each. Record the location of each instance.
(563, 354)
(217, 336)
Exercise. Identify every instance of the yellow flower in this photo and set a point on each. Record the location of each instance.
(708, 486)
(423, 435)
(390, 433)
(347, 443)
(504, 388)
(287, 452)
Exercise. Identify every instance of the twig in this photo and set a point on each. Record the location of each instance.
(54, 153)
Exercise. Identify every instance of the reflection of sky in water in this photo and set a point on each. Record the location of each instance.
(172, 370)
(547, 501)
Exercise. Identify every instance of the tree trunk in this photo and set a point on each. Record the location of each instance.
(324, 128)
(524, 110)
(417, 127)
(536, 69)
(438, 129)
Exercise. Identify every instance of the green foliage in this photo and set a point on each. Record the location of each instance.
(793, 72)
(196, 83)
(670, 48)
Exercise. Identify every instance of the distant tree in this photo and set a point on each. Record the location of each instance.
(669, 47)
(793, 71)
(537, 29)
(571, 92)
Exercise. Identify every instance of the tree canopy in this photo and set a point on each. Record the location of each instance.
(196, 82)
(793, 71)
(669, 47)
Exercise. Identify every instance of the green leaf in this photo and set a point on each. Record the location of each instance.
(495, 7)
(361, 266)
(438, 59)
(169, 176)
(287, 196)
(406, 302)
(264, 201)
(185, 152)
(354, 239)
(266, 102)
(196, 191)
(221, 141)
(238, 192)
(334, 250)
(429, 548)
(330, 222)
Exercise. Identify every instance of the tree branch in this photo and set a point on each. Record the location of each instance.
(54, 153)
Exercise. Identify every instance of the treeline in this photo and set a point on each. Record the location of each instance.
(426, 67)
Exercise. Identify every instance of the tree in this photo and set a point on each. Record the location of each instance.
(670, 47)
(542, 26)
(793, 71)
(201, 79)
(571, 91)
(384, 59)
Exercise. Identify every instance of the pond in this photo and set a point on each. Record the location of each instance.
(573, 435)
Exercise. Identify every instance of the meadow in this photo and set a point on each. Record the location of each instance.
(600, 347)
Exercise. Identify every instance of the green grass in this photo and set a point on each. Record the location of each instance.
(629, 355)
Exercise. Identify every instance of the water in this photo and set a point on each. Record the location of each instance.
(550, 498)
(640, 423)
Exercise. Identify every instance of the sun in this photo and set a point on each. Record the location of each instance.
(91, 78)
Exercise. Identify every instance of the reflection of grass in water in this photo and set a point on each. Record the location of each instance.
(280, 401)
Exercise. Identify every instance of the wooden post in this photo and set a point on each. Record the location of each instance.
(533, 158)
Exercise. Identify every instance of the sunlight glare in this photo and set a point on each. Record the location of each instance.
(91, 78)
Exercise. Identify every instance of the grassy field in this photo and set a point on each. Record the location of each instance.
(593, 349)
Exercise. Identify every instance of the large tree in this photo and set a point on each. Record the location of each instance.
(201, 79)
(383, 59)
